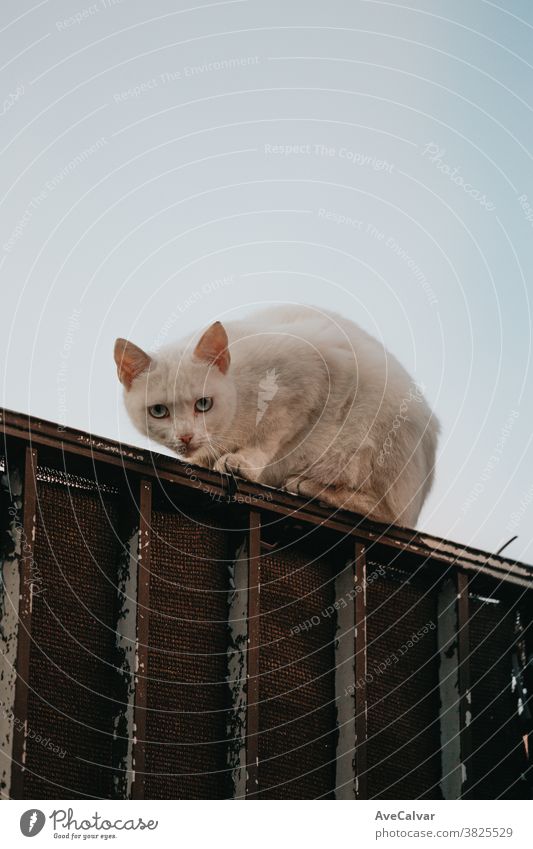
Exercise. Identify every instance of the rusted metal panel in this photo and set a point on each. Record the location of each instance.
(403, 750)
(73, 691)
(298, 731)
(188, 698)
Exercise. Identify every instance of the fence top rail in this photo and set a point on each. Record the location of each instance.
(104, 451)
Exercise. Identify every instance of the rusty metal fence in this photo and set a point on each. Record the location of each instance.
(167, 634)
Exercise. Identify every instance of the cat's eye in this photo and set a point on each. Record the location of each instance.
(203, 405)
(158, 411)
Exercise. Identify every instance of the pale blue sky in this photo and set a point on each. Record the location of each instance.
(149, 150)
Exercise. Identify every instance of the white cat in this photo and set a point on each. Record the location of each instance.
(293, 397)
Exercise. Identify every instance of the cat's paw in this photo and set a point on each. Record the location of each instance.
(292, 483)
(302, 486)
(245, 464)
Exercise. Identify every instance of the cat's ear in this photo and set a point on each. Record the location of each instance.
(131, 361)
(213, 347)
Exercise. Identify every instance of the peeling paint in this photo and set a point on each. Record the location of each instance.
(126, 665)
(237, 670)
(25, 743)
(10, 553)
(109, 447)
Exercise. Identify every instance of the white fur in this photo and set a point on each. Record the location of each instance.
(310, 402)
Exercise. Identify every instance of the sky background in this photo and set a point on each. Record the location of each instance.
(168, 164)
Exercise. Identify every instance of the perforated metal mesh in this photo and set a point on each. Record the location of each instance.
(188, 697)
(296, 691)
(403, 695)
(76, 691)
(498, 757)
(72, 673)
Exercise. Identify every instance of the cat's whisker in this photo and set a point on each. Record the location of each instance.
(217, 448)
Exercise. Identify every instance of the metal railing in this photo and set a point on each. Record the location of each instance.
(201, 636)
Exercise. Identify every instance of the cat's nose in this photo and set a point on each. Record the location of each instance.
(186, 438)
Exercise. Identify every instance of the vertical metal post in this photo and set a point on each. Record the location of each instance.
(237, 668)
(11, 483)
(465, 693)
(143, 612)
(252, 710)
(449, 713)
(27, 545)
(344, 650)
(526, 615)
(360, 671)
(126, 642)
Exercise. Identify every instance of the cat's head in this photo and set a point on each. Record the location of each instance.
(184, 400)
